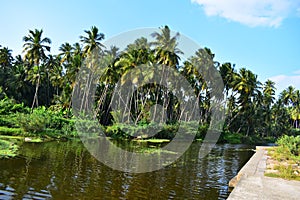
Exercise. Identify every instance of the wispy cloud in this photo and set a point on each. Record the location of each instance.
(251, 12)
(283, 81)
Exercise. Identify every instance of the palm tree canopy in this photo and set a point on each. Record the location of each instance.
(35, 46)
(92, 40)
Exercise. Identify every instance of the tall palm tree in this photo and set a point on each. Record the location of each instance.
(166, 50)
(269, 92)
(247, 85)
(77, 50)
(92, 40)
(35, 47)
(66, 52)
(291, 98)
(6, 60)
(5, 57)
(166, 53)
(288, 95)
(228, 74)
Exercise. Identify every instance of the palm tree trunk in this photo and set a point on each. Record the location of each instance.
(35, 97)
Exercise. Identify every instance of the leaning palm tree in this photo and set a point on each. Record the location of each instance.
(92, 40)
(35, 47)
(247, 85)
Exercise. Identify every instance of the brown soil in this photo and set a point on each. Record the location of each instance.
(272, 165)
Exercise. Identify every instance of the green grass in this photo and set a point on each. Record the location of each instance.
(8, 149)
(10, 131)
(154, 140)
(285, 172)
(285, 161)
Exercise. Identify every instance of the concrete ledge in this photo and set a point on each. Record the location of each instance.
(250, 183)
(255, 166)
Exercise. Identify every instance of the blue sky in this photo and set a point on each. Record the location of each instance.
(261, 35)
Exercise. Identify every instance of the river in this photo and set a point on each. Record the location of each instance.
(66, 170)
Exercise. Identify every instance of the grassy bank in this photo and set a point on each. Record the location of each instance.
(284, 160)
(8, 146)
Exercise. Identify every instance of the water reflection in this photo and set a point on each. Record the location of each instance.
(65, 170)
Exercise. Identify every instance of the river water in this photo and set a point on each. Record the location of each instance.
(66, 170)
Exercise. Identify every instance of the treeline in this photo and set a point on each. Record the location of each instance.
(40, 79)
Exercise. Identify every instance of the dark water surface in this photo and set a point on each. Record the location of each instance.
(65, 170)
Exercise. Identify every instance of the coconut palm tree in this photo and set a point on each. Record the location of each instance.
(247, 85)
(35, 48)
(5, 57)
(288, 95)
(6, 60)
(92, 40)
(166, 50)
(269, 92)
(66, 52)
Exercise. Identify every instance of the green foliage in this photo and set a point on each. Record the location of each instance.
(8, 110)
(286, 162)
(232, 138)
(292, 143)
(7, 149)
(4, 144)
(9, 106)
(294, 131)
(8, 120)
(34, 122)
(10, 131)
(168, 131)
(252, 110)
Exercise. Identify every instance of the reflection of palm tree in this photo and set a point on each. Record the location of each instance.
(34, 48)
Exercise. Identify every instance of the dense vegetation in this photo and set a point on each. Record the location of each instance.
(36, 91)
(286, 158)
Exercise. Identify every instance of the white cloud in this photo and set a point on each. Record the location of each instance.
(297, 72)
(250, 12)
(283, 81)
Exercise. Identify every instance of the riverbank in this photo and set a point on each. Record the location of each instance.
(250, 183)
(9, 145)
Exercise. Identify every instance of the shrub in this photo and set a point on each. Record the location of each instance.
(7, 149)
(292, 143)
(8, 120)
(35, 122)
(10, 131)
(8, 106)
(232, 138)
